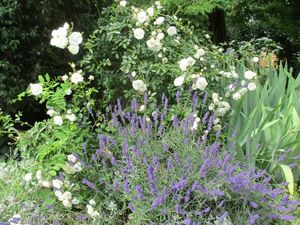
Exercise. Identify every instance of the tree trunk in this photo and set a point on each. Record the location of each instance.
(218, 25)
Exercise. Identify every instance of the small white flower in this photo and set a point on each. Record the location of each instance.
(183, 64)
(201, 83)
(57, 183)
(159, 21)
(133, 73)
(243, 90)
(58, 120)
(164, 60)
(59, 195)
(139, 86)
(191, 61)
(150, 11)
(38, 175)
(50, 112)
(67, 195)
(75, 38)
(68, 91)
(71, 117)
(139, 33)
(160, 36)
(66, 26)
(77, 77)
(243, 83)
(142, 17)
(154, 44)
(36, 89)
(92, 202)
(75, 201)
(67, 203)
(72, 158)
(46, 184)
(59, 38)
(236, 96)
(142, 108)
(123, 3)
(217, 127)
(207, 36)
(251, 86)
(215, 96)
(249, 74)
(255, 59)
(64, 77)
(178, 81)
(28, 177)
(172, 31)
(73, 49)
(91, 77)
(78, 167)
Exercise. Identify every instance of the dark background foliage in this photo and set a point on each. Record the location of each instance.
(25, 27)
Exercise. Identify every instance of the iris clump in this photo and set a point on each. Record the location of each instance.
(172, 174)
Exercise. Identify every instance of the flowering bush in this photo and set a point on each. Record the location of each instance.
(146, 161)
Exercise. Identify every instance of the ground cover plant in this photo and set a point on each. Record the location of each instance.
(155, 125)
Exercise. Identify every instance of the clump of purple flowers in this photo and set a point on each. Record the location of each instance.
(171, 174)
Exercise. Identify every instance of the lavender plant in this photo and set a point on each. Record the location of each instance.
(173, 175)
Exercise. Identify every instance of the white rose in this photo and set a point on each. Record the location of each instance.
(59, 38)
(28, 177)
(255, 59)
(64, 77)
(159, 20)
(58, 120)
(76, 77)
(139, 86)
(201, 83)
(46, 184)
(67, 195)
(172, 31)
(38, 175)
(50, 112)
(59, 195)
(91, 77)
(183, 64)
(236, 96)
(150, 11)
(66, 26)
(78, 167)
(73, 49)
(67, 203)
(249, 74)
(75, 201)
(71, 158)
(68, 91)
(123, 3)
(75, 38)
(179, 81)
(243, 90)
(36, 89)
(191, 61)
(142, 17)
(142, 108)
(160, 36)
(251, 86)
(57, 183)
(92, 202)
(139, 33)
(154, 44)
(133, 74)
(90, 209)
(71, 117)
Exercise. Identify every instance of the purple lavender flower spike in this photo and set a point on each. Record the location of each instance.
(195, 100)
(253, 218)
(205, 117)
(126, 186)
(179, 185)
(89, 183)
(131, 207)
(145, 98)
(178, 94)
(134, 105)
(139, 191)
(205, 98)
